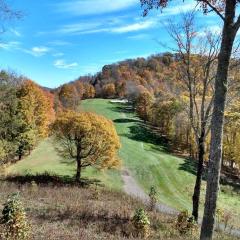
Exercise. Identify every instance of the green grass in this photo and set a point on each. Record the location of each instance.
(45, 159)
(148, 162)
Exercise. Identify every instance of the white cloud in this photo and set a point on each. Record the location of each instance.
(92, 7)
(61, 63)
(10, 45)
(134, 27)
(37, 51)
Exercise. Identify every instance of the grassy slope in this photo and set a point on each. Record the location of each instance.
(148, 163)
(153, 166)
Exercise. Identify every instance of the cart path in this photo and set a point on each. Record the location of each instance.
(131, 187)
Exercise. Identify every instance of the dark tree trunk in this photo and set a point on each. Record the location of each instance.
(79, 169)
(214, 166)
(20, 152)
(198, 183)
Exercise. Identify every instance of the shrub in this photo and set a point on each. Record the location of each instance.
(185, 223)
(33, 187)
(141, 223)
(14, 219)
(219, 217)
(153, 198)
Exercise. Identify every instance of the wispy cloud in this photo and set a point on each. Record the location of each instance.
(78, 28)
(15, 32)
(134, 27)
(62, 64)
(178, 9)
(139, 36)
(37, 51)
(214, 29)
(34, 51)
(10, 45)
(92, 7)
(107, 27)
(59, 43)
(58, 54)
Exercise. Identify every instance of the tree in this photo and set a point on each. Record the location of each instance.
(89, 139)
(226, 10)
(163, 111)
(109, 90)
(143, 105)
(69, 96)
(89, 91)
(36, 111)
(11, 121)
(7, 13)
(231, 139)
(196, 66)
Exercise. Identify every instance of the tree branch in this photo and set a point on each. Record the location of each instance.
(214, 9)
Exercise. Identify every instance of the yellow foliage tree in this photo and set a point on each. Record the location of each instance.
(144, 104)
(109, 90)
(35, 107)
(88, 138)
(35, 113)
(89, 91)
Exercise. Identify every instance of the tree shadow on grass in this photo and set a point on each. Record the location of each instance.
(46, 179)
(125, 120)
(228, 185)
(122, 107)
(144, 133)
(189, 165)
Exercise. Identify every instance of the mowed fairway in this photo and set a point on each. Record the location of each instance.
(148, 162)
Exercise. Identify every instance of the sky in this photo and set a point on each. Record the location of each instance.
(57, 41)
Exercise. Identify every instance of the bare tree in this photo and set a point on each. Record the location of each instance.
(7, 14)
(197, 53)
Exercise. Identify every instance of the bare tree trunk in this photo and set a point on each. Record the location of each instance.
(214, 166)
(198, 183)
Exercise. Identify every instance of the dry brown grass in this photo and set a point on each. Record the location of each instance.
(69, 213)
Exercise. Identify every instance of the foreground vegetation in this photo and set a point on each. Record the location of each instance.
(68, 212)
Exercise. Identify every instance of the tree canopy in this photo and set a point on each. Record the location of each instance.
(88, 138)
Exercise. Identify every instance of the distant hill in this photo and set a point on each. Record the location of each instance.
(125, 77)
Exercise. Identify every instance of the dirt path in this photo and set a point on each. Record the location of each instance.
(132, 188)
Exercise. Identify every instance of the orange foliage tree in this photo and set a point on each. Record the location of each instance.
(68, 96)
(88, 138)
(36, 111)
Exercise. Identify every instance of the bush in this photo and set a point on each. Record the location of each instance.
(14, 219)
(141, 223)
(185, 223)
(153, 198)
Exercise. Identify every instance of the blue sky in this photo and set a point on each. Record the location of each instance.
(59, 40)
